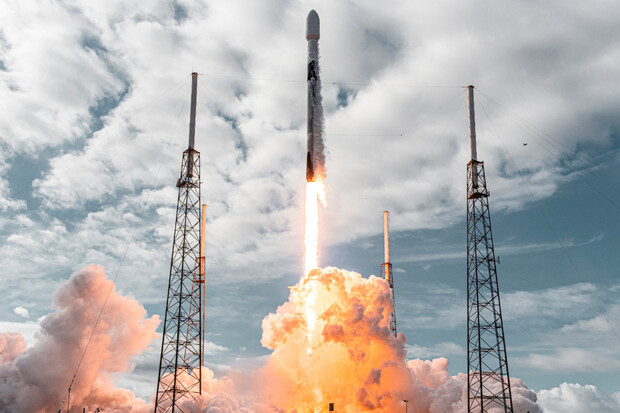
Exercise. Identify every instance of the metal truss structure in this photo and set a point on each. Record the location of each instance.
(180, 373)
(488, 381)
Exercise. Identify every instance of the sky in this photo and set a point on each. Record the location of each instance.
(94, 118)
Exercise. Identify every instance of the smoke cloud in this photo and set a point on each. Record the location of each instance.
(349, 356)
(330, 343)
(36, 379)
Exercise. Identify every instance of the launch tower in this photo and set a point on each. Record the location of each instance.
(182, 350)
(386, 270)
(488, 381)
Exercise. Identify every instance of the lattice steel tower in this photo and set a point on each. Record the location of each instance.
(488, 380)
(386, 270)
(182, 350)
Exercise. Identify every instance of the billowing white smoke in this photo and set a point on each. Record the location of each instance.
(331, 344)
(36, 379)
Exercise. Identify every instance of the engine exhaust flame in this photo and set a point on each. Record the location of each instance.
(315, 192)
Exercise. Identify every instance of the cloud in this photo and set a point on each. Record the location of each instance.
(502, 248)
(551, 302)
(577, 398)
(570, 359)
(606, 323)
(438, 306)
(114, 114)
(438, 350)
(27, 330)
(22, 312)
(126, 113)
(564, 341)
(77, 76)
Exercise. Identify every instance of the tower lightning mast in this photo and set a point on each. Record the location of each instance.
(386, 270)
(180, 372)
(488, 381)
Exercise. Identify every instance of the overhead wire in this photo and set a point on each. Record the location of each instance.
(328, 81)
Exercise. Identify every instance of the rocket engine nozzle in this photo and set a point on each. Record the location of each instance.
(309, 169)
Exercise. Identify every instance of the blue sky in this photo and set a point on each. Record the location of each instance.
(93, 120)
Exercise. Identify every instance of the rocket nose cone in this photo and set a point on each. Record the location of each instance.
(312, 26)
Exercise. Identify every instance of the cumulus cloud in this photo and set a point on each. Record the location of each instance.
(577, 398)
(121, 96)
(51, 107)
(22, 312)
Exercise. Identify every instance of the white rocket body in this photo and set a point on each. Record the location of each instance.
(315, 158)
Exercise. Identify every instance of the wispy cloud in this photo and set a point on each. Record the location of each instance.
(503, 249)
(443, 349)
(571, 359)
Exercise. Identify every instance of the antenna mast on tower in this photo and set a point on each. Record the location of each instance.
(488, 381)
(180, 372)
(386, 270)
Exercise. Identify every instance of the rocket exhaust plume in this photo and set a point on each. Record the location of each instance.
(35, 379)
(315, 191)
(355, 362)
(315, 157)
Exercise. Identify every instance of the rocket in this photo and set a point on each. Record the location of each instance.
(314, 118)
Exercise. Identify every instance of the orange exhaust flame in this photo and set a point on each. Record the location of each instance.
(332, 344)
